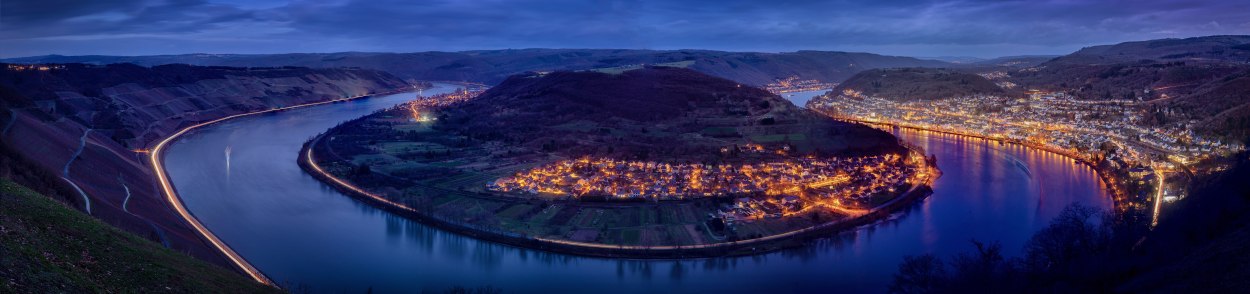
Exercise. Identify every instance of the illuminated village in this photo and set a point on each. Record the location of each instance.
(1092, 131)
(39, 67)
(1051, 118)
(797, 84)
(458, 158)
(780, 188)
(417, 106)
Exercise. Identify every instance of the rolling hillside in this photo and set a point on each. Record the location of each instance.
(1201, 81)
(665, 112)
(1209, 48)
(918, 84)
(493, 66)
(80, 131)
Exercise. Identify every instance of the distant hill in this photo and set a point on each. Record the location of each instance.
(1199, 80)
(493, 66)
(669, 112)
(1021, 61)
(918, 84)
(1221, 48)
(955, 59)
(135, 104)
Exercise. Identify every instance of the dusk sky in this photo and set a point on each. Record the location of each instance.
(912, 28)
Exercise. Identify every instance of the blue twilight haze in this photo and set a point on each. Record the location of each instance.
(916, 28)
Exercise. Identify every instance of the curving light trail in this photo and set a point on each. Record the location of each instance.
(308, 155)
(1154, 220)
(154, 157)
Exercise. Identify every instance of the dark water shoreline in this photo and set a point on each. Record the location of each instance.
(726, 249)
(302, 232)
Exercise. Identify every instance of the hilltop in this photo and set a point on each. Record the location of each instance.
(651, 162)
(918, 84)
(1218, 48)
(671, 112)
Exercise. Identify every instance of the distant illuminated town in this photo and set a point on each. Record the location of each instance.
(795, 84)
(421, 106)
(39, 67)
(1088, 130)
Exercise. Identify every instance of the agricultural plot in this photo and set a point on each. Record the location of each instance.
(373, 159)
(416, 127)
(514, 211)
(545, 215)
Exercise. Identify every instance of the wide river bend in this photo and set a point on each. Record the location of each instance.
(240, 179)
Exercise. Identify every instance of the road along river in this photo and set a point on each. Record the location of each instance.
(304, 235)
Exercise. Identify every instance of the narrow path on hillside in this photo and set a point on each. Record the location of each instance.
(12, 120)
(159, 232)
(127, 200)
(82, 143)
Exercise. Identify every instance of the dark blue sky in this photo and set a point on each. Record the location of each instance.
(913, 28)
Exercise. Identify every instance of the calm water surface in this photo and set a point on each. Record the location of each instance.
(800, 98)
(303, 234)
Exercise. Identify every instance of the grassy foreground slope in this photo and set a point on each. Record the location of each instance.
(46, 247)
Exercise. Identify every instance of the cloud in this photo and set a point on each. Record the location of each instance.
(910, 27)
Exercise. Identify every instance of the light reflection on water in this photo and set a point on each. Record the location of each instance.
(301, 232)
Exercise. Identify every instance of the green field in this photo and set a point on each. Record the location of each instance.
(720, 131)
(545, 215)
(415, 127)
(514, 211)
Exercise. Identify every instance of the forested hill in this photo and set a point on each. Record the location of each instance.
(1202, 80)
(135, 104)
(918, 84)
(1212, 48)
(673, 112)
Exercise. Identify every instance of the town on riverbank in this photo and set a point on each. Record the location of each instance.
(1143, 167)
(753, 176)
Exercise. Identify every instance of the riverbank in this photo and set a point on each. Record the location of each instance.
(101, 166)
(758, 245)
(300, 231)
(171, 196)
(1118, 193)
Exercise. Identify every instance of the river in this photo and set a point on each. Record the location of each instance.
(800, 98)
(307, 236)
